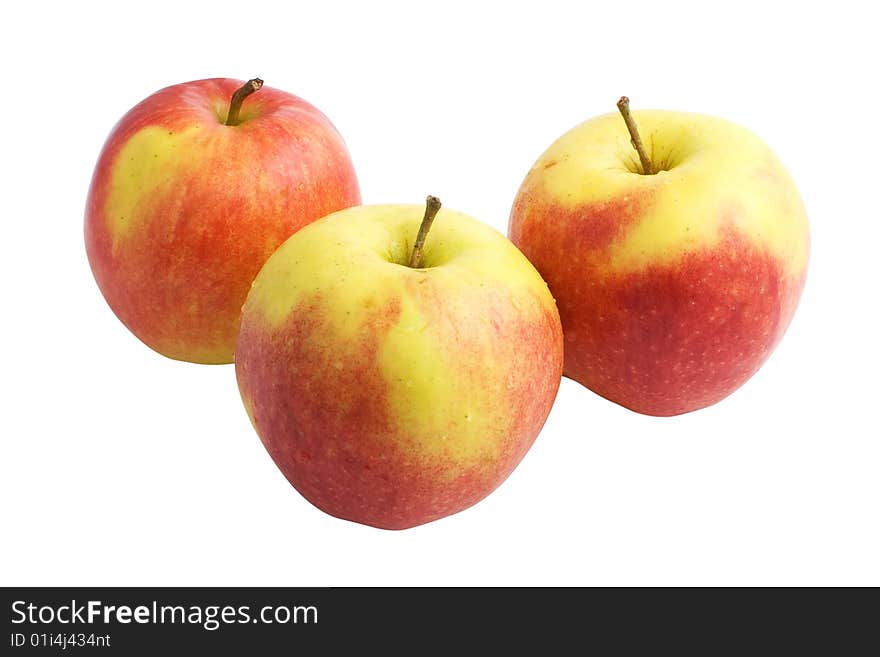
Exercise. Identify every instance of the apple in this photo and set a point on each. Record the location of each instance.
(193, 190)
(676, 247)
(396, 380)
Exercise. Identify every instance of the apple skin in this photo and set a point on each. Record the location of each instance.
(672, 288)
(393, 396)
(183, 210)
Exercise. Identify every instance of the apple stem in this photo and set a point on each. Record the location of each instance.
(635, 139)
(238, 97)
(432, 207)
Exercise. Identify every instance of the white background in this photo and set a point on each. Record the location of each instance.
(121, 467)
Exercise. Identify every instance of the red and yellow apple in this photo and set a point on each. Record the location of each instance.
(183, 209)
(673, 287)
(393, 392)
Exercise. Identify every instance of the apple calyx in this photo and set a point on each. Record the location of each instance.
(238, 97)
(432, 207)
(635, 139)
